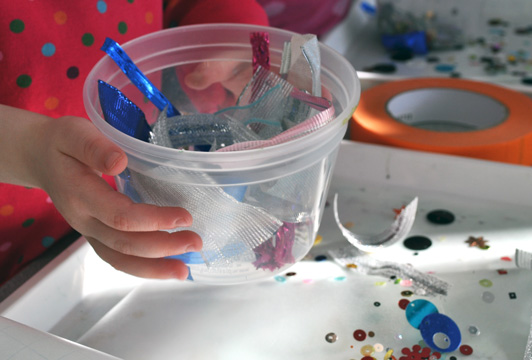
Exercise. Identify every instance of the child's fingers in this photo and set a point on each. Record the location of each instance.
(152, 244)
(141, 267)
(121, 213)
(83, 141)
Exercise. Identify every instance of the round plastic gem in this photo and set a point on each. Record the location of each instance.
(417, 310)
(440, 332)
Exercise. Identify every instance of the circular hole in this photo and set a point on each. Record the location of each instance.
(446, 110)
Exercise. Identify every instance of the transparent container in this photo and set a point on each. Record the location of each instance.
(286, 182)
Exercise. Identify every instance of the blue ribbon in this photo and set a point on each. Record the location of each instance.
(134, 74)
(122, 113)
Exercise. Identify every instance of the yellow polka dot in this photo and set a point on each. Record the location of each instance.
(149, 17)
(51, 103)
(7, 210)
(60, 17)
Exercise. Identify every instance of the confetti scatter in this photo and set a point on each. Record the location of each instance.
(331, 337)
(502, 272)
(478, 242)
(418, 353)
(506, 258)
(407, 293)
(512, 295)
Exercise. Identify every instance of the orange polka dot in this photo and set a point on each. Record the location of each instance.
(51, 103)
(7, 210)
(149, 17)
(60, 17)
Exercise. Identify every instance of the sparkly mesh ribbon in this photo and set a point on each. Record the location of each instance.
(395, 232)
(230, 229)
(424, 284)
(149, 90)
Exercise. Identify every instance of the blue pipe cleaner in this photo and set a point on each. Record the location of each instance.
(136, 76)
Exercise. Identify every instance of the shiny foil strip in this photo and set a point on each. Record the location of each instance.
(260, 45)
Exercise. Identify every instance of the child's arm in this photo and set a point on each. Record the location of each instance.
(65, 157)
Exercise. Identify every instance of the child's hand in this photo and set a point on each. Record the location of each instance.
(66, 157)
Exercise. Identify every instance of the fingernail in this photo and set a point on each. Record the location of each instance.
(181, 222)
(190, 248)
(112, 160)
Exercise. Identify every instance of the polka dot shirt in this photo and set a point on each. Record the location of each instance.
(47, 48)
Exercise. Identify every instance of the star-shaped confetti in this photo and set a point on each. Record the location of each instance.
(398, 211)
(479, 242)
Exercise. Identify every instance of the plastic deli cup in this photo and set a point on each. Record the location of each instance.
(257, 211)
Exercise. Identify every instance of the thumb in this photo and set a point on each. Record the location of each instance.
(89, 146)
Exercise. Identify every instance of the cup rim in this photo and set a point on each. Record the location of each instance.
(136, 146)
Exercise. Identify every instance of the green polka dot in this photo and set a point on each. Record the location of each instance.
(87, 39)
(17, 26)
(24, 81)
(28, 222)
(131, 1)
(47, 241)
(122, 27)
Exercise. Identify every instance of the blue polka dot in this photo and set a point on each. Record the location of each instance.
(48, 49)
(101, 6)
(47, 241)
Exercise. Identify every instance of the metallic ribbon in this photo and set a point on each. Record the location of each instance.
(122, 113)
(260, 46)
(134, 74)
(424, 284)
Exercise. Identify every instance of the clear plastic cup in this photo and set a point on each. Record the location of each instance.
(288, 181)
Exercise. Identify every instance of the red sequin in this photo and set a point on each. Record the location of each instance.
(359, 335)
(403, 303)
(466, 349)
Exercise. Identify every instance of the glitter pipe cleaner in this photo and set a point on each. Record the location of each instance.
(136, 76)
